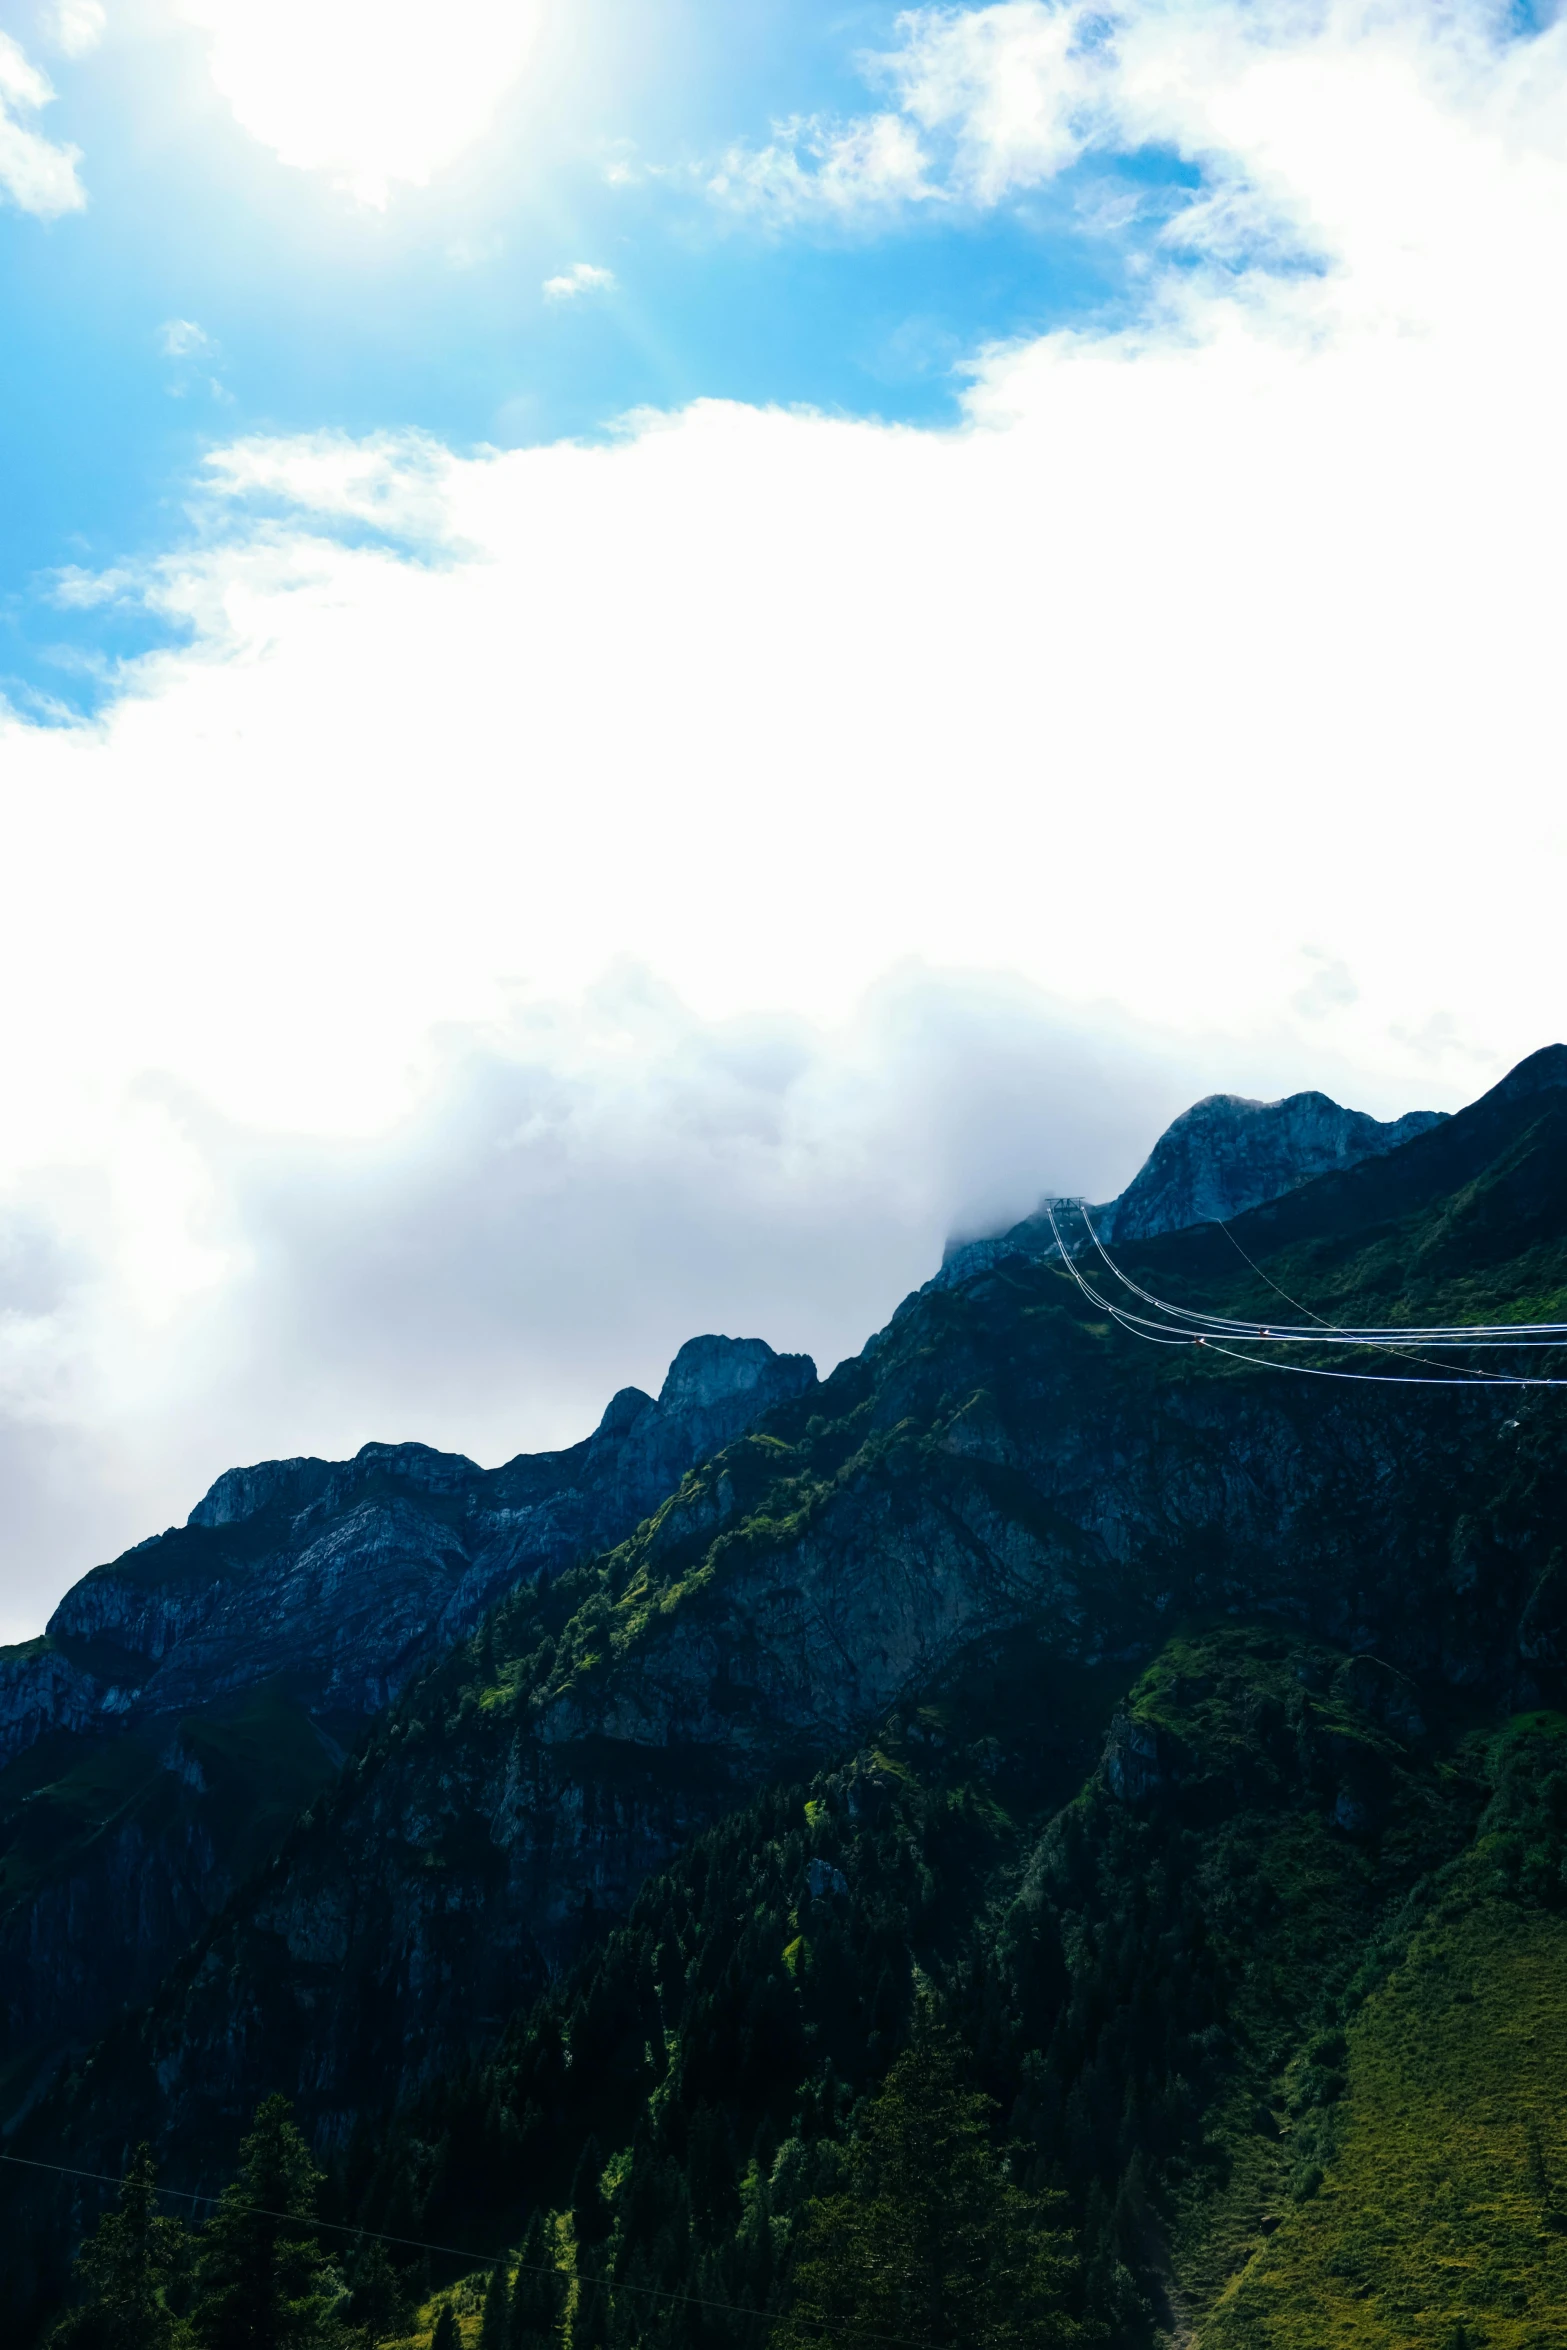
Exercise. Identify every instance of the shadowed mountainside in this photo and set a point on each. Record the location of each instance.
(190, 1698)
(675, 1850)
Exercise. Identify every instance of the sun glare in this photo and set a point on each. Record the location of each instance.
(371, 91)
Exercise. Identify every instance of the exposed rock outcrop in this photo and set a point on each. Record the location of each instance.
(1220, 1158)
(341, 1577)
(1225, 1155)
(321, 1587)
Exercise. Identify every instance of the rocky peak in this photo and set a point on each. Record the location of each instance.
(1222, 1156)
(1227, 1154)
(244, 1493)
(339, 1579)
(622, 1412)
(710, 1370)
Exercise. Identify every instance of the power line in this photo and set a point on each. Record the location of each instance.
(1476, 1371)
(1397, 1335)
(1337, 1330)
(1181, 1326)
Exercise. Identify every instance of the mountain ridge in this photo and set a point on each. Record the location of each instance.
(306, 1593)
(1224, 1156)
(384, 1512)
(994, 1458)
(999, 1481)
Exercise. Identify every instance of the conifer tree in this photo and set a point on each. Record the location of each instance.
(447, 2334)
(590, 2318)
(590, 2213)
(262, 2279)
(124, 2270)
(376, 2303)
(538, 2293)
(591, 2220)
(930, 2245)
(493, 2326)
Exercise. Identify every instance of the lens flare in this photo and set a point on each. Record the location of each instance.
(373, 92)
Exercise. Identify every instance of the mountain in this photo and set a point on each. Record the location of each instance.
(341, 1577)
(1179, 1737)
(188, 1699)
(1220, 1158)
(1226, 1154)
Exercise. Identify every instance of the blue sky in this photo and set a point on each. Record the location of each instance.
(318, 310)
(653, 652)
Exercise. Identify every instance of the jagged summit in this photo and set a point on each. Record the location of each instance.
(1226, 1154)
(708, 1370)
(341, 1577)
(300, 1597)
(1223, 1156)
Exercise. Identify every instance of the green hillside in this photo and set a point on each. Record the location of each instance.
(1440, 2219)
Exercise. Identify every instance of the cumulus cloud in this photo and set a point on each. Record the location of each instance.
(1018, 89)
(38, 176)
(583, 277)
(986, 102)
(1207, 669)
(989, 103)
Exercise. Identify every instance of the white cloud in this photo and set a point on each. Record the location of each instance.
(38, 176)
(818, 170)
(988, 101)
(372, 92)
(574, 1190)
(1209, 669)
(992, 102)
(78, 26)
(182, 338)
(1020, 88)
(583, 277)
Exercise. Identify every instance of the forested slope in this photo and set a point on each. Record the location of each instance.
(1134, 1731)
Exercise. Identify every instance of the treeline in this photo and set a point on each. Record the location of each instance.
(255, 2277)
(922, 2240)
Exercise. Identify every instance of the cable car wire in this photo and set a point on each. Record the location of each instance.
(1211, 1331)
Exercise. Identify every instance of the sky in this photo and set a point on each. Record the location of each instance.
(654, 655)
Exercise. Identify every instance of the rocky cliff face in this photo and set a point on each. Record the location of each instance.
(301, 1595)
(342, 1577)
(1225, 1155)
(996, 1459)
(1222, 1157)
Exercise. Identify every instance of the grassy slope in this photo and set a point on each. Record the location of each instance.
(1438, 2224)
